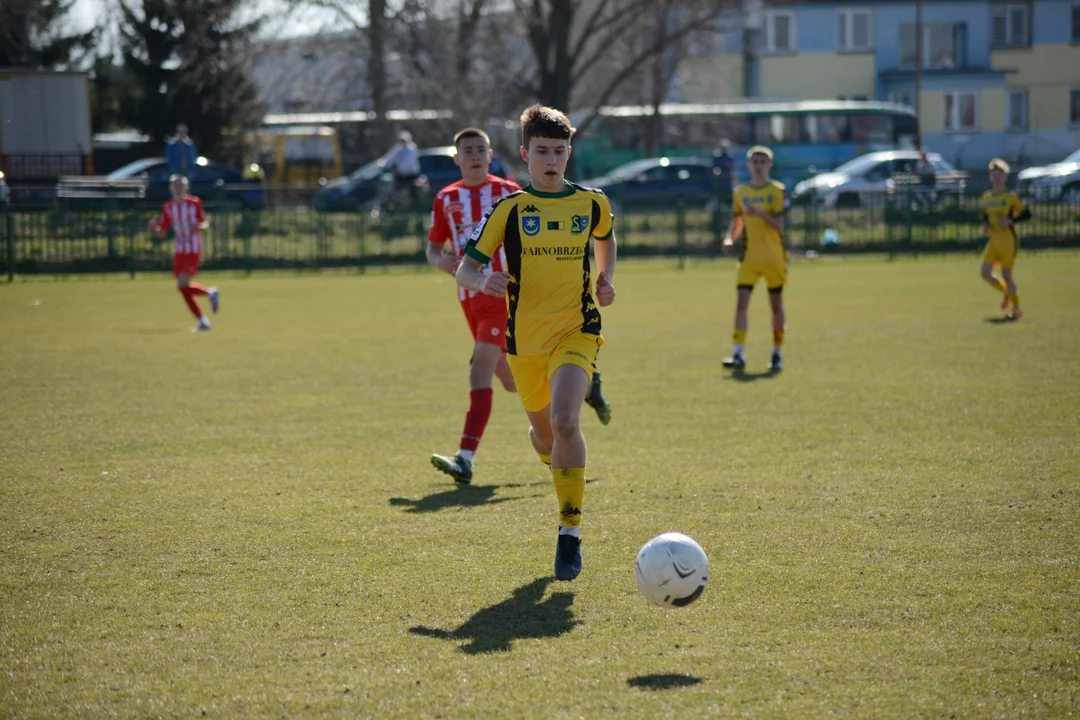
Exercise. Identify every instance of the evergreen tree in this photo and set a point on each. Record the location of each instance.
(187, 59)
(33, 35)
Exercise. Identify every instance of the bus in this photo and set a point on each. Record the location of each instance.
(806, 136)
(295, 155)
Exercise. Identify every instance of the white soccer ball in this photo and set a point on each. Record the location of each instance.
(671, 570)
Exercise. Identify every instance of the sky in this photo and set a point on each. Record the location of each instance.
(86, 12)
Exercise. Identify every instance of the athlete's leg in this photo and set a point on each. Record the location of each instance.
(738, 338)
(506, 377)
(183, 283)
(986, 270)
(776, 303)
(568, 386)
(1010, 291)
(486, 358)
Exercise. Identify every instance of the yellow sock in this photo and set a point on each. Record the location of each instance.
(1015, 300)
(777, 337)
(1000, 284)
(546, 459)
(570, 489)
(739, 337)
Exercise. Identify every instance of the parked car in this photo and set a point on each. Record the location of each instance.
(658, 183)
(873, 175)
(1052, 182)
(209, 181)
(373, 181)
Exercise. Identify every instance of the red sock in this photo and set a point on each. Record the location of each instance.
(476, 419)
(198, 289)
(189, 298)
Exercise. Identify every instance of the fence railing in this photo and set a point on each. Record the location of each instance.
(113, 236)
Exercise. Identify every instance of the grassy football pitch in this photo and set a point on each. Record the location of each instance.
(244, 523)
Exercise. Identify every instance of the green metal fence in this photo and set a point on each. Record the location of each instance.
(113, 236)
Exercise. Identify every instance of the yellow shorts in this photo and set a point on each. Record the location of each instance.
(1002, 253)
(775, 274)
(532, 373)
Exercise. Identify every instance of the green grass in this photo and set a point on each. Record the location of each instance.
(244, 523)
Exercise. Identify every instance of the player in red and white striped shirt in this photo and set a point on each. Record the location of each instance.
(184, 214)
(457, 210)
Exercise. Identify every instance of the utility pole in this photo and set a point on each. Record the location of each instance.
(918, 73)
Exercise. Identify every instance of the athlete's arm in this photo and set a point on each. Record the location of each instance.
(605, 252)
(776, 222)
(437, 256)
(470, 275)
(1020, 211)
(734, 230)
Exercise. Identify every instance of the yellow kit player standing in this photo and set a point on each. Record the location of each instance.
(553, 324)
(759, 208)
(1001, 210)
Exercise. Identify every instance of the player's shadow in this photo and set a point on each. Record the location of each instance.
(461, 496)
(1000, 320)
(748, 377)
(663, 682)
(525, 615)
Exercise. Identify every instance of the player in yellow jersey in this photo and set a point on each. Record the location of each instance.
(1001, 211)
(759, 209)
(553, 324)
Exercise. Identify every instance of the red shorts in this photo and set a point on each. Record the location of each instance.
(185, 264)
(487, 318)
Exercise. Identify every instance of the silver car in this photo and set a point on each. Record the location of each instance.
(1060, 181)
(873, 175)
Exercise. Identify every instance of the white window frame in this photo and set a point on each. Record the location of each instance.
(927, 51)
(952, 124)
(845, 25)
(1006, 10)
(770, 32)
(1009, 124)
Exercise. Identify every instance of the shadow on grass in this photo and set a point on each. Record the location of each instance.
(1000, 320)
(457, 496)
(525, 615)
(747, 377)
(662, 682)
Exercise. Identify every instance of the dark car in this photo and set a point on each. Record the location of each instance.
(371, 182)
(659, 183)
(210, 181)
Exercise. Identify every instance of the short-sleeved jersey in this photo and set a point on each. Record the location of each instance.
(184, 219)
(763, 243)
(994, 207)
(546, 240)
(458, 209)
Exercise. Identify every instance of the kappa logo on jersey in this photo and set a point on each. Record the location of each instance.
(530, 224)
(531, 208)
(579, 224)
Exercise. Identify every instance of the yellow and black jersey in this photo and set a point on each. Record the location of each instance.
(763, 244)
(546, 240)
(1001, 205)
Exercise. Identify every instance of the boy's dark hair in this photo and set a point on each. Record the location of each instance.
(471, 132)
(540, 121)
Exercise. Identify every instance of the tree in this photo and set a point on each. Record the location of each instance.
(188, 63)
(33, 35)
(570, 40)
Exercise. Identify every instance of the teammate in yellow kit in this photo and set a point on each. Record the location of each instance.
(553, 324)
(1001, 210)
(759, 209)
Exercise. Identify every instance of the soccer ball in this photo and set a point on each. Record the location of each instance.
(671, 570)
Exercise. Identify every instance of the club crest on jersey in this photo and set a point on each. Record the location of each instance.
(579, 224)
(530, 224)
